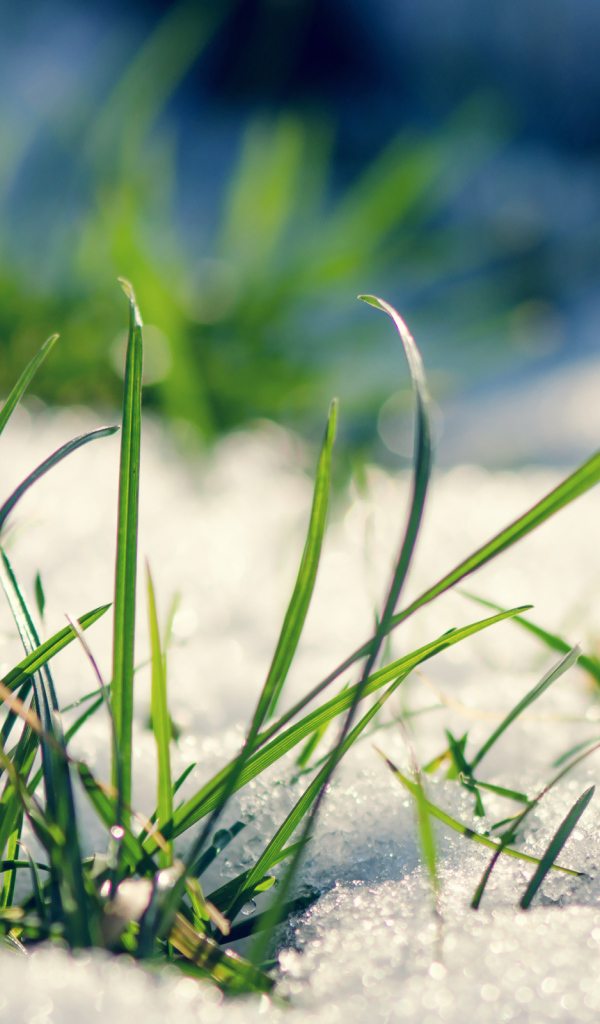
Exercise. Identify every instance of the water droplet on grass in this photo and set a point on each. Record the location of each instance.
(248, 908)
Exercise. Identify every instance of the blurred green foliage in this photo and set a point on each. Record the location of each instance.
(263, 323)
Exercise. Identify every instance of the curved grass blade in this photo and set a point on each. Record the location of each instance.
(53, 460)
(161, 724)
(464, 830)
(555, 846)
(422, 459)
(551, 640)
(23, 382)
(126, 564)
(545, 682)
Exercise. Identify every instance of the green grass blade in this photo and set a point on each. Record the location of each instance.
(22, 672)
(555, 846)
(126, 563)
(551, 640)
(106, 809)
(161, 724)
(23, 381)
(420, 482)
(510, 794)
(580, 481)
(546, 681)
(514, 823)
(53, 460)
(463, 770)
(209, 796)
(295, 615)
(10, 876)
(467, 832)
(284, 653)
(40, 597)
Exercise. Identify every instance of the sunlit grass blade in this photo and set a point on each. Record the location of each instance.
(286, 646)
(161, 724)
(420, 481)
(209, 796)
(53, 460)
(551, 640)
(295, 615)
(514, 823)
(426, 833)
(546, 681)
(126, 564)
(226, 968)
(468, 833)
(40, 597)
(555, 846)
(23, 381)
(22, 672)
(580, 481)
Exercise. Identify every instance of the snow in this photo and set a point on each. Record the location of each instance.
(227, 533)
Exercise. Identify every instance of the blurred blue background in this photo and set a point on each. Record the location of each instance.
(252, 165)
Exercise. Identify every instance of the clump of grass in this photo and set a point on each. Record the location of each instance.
(138, 895)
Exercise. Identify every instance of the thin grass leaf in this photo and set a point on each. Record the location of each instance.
(467, 832)
(23, 381)
(36, 886)
(420, 481)
(295, 615)
(545, 682)
(53, 460)
(551, 640)
(510, 794)
(180, 781)
(10, 875)
(593, 743)
(286, 646)
(220, 841)
(514, 823)
(555, 846)
(161, 724)
(40, 597)
(464, 771)
(245, 884)
(210, 794)
(126, 564)
(21, 673)
(105, 807)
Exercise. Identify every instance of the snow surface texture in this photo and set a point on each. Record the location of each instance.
(228, 535)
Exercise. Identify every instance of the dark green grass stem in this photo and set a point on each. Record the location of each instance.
(126, 562)
(23, 382)
(555, 846)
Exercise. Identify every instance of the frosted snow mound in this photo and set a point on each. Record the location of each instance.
(228, 533)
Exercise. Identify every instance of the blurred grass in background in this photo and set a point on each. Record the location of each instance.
(259, 319)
